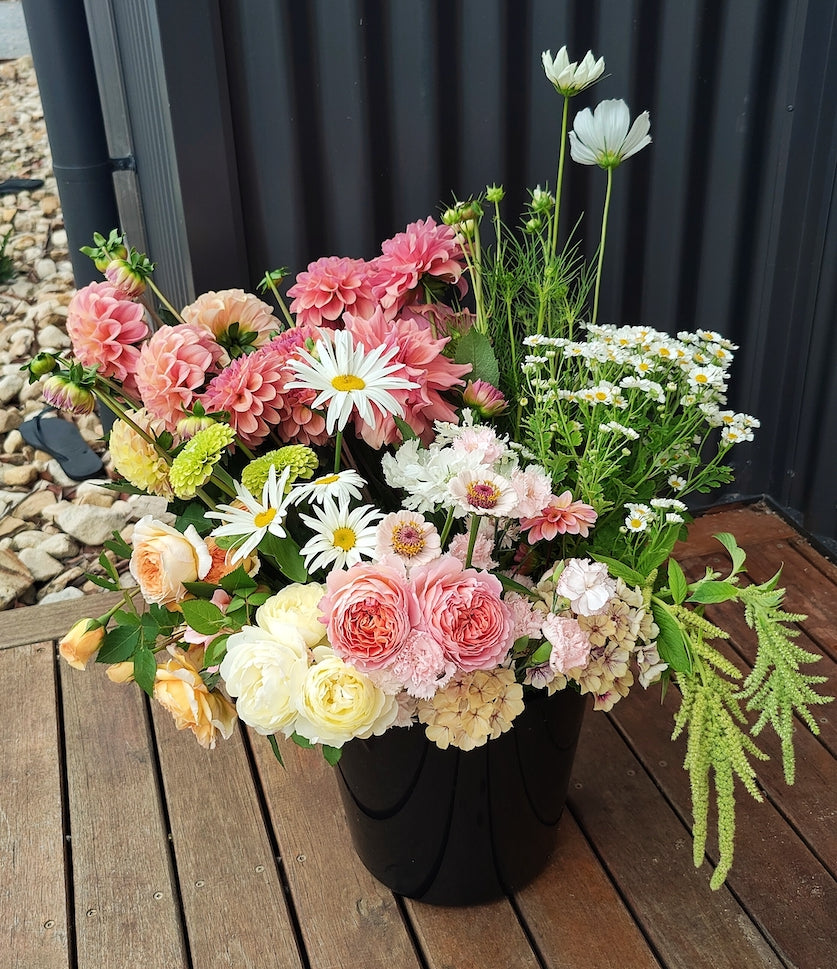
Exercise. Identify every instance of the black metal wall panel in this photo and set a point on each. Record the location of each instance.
(338, 122)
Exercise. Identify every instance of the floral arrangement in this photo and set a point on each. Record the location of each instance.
(426, 488)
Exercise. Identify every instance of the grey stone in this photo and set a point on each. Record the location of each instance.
(89, 524)
(62, 595)
(41, 564)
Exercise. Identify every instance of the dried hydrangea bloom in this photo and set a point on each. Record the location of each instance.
(472, 708)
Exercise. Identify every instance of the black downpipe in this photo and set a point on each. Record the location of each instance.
(63, 61)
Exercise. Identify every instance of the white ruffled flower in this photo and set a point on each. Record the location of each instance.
(603, 138)
(569, 77)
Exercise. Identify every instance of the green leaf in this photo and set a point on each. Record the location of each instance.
(119, 644)
(275, 748)
(119, 546)
(285, 552)
(407, 433)
(620, 571)
(238, 581)
(123, 618)
(216, 650)
(475, 348)
(145, 669)
(513, 586)
(541, 654)
(677, 584)
(671, 643)
(163, 618)
(301, 741)
(713, 591)
(103, 583)
(738, 555)
(204, 617)
(194, 514)
(332, 754)
(203, 590)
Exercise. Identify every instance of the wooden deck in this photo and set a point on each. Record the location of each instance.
(123, 844)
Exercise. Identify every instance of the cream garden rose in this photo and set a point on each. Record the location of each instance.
(265, 669)
(298, 605)
(164, 558)
(338, 703)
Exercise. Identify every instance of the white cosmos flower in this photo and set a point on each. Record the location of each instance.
(257, 518)
(569, 77)
(602, 137)
(342, 537)
(349, 378)
(337, 485)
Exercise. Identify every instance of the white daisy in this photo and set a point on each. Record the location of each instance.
(342, 537)
(349, 378)
(251, 523)
(338, 485)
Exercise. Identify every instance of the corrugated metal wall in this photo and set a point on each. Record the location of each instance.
(300, 128)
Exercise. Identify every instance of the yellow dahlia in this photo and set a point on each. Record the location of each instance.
(136, 459)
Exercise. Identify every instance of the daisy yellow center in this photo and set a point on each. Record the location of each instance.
(263, 518)
(483, 494)
(347, 381)
(344, 538)
(407, 539)
(327, 479)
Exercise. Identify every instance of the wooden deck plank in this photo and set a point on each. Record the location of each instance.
(346, 917)
(225, 861)
(563, 911)
(33, 624)
(781, 884)
(126, 906)
(32, 899)
(647, 851)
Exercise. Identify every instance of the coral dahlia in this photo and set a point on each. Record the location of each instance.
(328, 288)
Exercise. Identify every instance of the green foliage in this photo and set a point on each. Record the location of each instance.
(776, 688)
(7, 266)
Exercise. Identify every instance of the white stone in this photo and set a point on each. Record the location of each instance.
(10, 387)
(59, 546)
(90, 493)
(63, 595)
(141, 505)
(27, 539)
(53, 338)
(44, 268)
(15, 579)
(88, 524)
(41, 564)
(13, 442)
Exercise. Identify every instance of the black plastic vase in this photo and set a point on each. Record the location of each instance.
(453, 827)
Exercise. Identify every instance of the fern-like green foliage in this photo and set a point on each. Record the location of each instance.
(719, 747)
(776, 688)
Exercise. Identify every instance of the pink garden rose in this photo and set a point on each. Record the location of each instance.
(570, 645)
(463, 611)
(371, 612)
(172, 368)
(104, 331)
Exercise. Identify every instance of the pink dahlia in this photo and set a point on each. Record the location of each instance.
(173, 367)
(423, 249)
(330, 287)
(104, 331)
(252, 390)
(561, 516)
(424, 364)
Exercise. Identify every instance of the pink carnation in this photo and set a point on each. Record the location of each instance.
(424, 364)
(217, 312)
(526, 618)
(482, 554)
(420, 665)
(463, 611)
(104, 329)
(330, 287)
(533, 487)
(570, 645)
(561, 516)
(371, 612)
(173, 366)
(423, 249)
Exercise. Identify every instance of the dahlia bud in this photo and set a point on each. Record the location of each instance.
(81, 642)
(127, 280)
(105, 250)
(192, 424)
(43, 363)
(484, 398)
(65, 394)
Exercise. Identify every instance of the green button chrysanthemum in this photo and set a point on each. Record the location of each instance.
(192, 468)
(300, 459)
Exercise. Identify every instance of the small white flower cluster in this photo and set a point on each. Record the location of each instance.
(665, 511)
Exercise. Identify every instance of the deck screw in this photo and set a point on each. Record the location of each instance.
(663, 763)
(300, 858)
(631, 773)
(199, 884)
(49, 924)
(91, 912)
(259, 868)
(158, 895)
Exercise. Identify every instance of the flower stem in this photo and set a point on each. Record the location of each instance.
(472, 539)
(338, 444)
(447, 527)
(602, 244)
(559, 180)
(155, 289)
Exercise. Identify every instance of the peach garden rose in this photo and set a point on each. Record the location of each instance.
(164, 558)
(179, 688)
